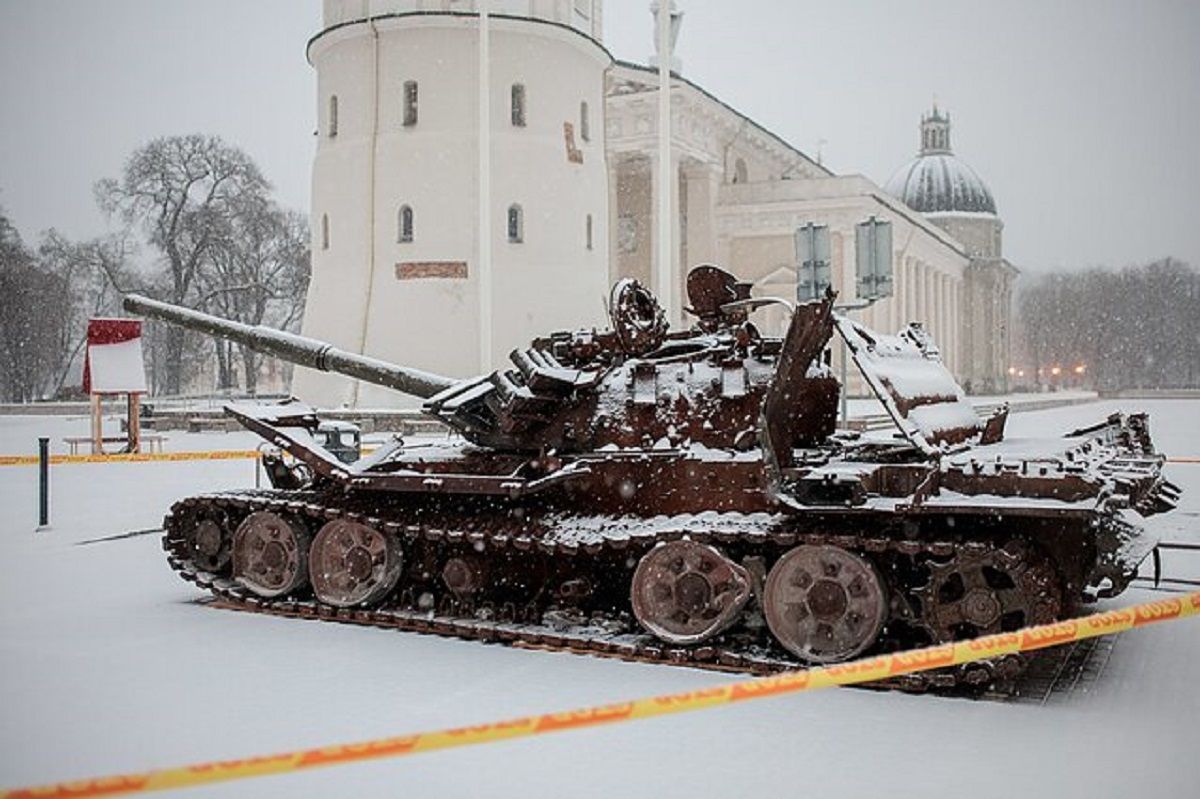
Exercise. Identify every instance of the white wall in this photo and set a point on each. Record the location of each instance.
(375, 163)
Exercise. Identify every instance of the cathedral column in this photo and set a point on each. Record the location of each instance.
(701, 181)
(614, 216)
(673, 278)
(921, 313)
(943, 315)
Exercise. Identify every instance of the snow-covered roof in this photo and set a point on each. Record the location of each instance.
(941, 183)
(936, 181)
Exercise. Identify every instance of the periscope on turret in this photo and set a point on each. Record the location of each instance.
(682, 496)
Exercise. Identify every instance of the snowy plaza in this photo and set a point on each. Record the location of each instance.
(110, 664)
(488, 398)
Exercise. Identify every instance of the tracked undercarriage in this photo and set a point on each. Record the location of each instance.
(682, 497)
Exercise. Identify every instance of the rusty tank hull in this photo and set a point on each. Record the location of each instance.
(684, 497)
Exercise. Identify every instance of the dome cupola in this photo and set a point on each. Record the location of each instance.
(936, 181)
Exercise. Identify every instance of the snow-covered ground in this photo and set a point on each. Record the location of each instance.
(108, 665)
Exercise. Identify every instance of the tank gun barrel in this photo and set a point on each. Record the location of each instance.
(296, 349)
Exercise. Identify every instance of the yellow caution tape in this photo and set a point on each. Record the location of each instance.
(218, 455)
(132, 457)
(138, 457)
(859, 671)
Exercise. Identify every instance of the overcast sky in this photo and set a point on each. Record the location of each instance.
(1083, 117)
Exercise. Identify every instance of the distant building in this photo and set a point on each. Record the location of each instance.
(952, 196)
(574, 186)
(741, 191)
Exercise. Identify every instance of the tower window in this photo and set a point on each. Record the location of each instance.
(410, 103)
(585, 129)
(516, 224)
(518, 105)
(589, 231)
(404, 224)
(740, 173)
(333, 120)
(324, 231)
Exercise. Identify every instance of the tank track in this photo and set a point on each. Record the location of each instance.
(605, 635)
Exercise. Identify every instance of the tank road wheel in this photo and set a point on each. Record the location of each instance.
(824, 604)
(997, 590)
(353, 564)
(207, 538)
(270, 554)
(685, 592)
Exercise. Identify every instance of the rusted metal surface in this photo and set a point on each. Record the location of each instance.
(353, 564)
(686, 592)
(982, 590)
(825, 604)
(270, 555)
(682, 496)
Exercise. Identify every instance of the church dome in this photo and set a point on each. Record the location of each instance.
(936, 181)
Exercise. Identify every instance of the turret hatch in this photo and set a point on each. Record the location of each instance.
(907, 374)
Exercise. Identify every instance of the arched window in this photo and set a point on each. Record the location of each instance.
(518, 105)
(333, 122)
(589, 231)
(740, 173)
(585, 128)
(516, 224)
(324, 231)
(404, 224)
(410, 103)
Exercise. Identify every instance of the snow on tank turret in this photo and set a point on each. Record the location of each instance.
(680, 496)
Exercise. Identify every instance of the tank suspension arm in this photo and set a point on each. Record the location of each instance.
(295, 349)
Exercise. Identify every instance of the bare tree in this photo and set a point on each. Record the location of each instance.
(1137, 327)
(94, 274)
(181, 191)
(258, 274)
(31, 301)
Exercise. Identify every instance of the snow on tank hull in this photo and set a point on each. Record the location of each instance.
(684, 497)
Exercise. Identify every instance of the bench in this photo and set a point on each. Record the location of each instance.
(150, 443)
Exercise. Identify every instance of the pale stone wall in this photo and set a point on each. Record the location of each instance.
(416, 302)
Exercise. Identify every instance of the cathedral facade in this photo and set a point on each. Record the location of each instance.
(398, 267)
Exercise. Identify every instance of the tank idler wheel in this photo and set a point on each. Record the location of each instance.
(270, 554)
(208, 540)
(685, 592)
(824, 604)
(352, 564)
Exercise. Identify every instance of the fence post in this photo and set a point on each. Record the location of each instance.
(43, 483)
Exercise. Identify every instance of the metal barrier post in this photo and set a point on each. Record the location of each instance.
(43, 483)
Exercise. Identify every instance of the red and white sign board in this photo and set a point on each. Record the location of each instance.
(114, 357)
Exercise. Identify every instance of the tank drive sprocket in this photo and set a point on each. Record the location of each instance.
(984, 590)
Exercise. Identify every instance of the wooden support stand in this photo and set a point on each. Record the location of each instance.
(133, 427)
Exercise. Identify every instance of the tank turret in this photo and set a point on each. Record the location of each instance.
(638, 384)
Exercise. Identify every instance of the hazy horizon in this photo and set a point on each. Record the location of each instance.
(1082, 117)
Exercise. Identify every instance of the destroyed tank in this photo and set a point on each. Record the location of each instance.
(680, 496)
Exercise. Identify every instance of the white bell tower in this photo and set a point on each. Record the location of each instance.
(396, 202)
